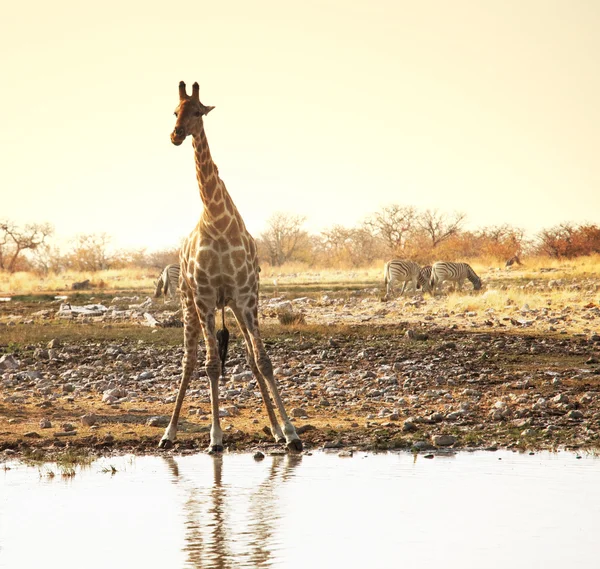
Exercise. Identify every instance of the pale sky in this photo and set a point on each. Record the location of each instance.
(329, 109)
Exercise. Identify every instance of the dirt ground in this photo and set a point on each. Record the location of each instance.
(416, 373)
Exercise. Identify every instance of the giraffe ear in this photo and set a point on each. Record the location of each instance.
(207, 110)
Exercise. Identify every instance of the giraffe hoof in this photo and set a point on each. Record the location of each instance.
(165, 444)
(295, 445)
(215, 449)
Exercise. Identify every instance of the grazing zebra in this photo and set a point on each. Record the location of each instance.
(423, 280)
(402, 271)
(168, 282)
(454, 272)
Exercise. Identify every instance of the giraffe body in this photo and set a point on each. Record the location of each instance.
(219, 267)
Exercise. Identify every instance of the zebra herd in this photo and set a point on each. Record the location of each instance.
(427, 278)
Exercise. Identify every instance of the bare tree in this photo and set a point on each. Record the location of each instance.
(90, 252)
(392, 224)
(283, 238)
(354, 246)
(439, 226)
(14, 240)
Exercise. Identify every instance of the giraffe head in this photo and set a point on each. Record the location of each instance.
(189, 114)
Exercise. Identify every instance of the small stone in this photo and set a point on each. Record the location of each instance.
(560, 398)
(67, 427)
(41, 354)
(422, 445)
(8, 361)
(258, 456)
(45, 424)
(305, 428)
(346, 454)
(298, 412)
(444, 440)
(53, 344)
(409, 426)
(32, 435)
(88, 420)
(575, 414)
(157, 421)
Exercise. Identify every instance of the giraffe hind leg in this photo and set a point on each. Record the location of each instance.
(264, 390)
(265, 371)
(213, 371)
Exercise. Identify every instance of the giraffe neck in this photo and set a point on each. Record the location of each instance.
(214, 195)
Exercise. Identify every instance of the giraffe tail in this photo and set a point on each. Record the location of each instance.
(223, 343)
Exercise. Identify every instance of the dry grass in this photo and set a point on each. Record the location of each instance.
(117, 279)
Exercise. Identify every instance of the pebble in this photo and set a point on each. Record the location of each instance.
(444, 440)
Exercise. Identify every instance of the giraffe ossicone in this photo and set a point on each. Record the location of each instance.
(219, 268)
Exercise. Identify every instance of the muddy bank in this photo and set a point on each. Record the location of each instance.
(408, 384)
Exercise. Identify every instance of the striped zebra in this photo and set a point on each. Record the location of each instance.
(424, 277)
(453, 272)
(168, 282)
(401, 271)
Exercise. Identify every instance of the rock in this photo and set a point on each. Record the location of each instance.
(408, 426)
(258, 456)
(304, 428)
(41, 354)
(88, 420)
(232, 411)
(8, 361)
(422, 445)
(575, 414)
(32, 435)
(560, 398)
(157, 421)
(298, 412)
(67, 427)
(53, 344)
(113, 395)
(346, 454)
(45, 424)
(444, 440)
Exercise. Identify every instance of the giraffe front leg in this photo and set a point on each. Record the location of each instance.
(190, 355)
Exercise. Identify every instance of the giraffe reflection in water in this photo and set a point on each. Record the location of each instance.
(226, 529)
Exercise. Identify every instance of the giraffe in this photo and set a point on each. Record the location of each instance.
(219, 267)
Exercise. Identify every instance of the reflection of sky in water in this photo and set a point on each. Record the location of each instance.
(320, 511)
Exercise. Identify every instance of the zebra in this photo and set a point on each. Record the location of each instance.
(168, 282)
(454, 272)
(403, 271)
(423, 280)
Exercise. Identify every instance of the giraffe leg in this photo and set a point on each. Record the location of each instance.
(213, 371)
(191, 333)
(262, 384)
(265, 369)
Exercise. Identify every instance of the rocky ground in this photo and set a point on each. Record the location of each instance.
(354, 372)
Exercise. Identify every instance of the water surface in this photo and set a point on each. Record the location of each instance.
(469, 510)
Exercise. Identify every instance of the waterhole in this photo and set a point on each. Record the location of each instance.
(369, 511)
